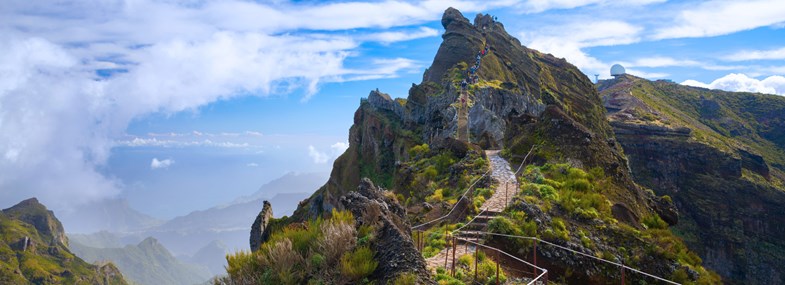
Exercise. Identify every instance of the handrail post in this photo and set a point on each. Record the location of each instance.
(454, 247)
(497, 268)
(535, 257)
(447, 255)
(476, 257)
(622, 274)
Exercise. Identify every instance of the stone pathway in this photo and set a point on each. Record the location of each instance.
(506, 188)
(463, 118)
(507, 185)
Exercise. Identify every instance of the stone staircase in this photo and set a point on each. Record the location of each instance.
(506, 188)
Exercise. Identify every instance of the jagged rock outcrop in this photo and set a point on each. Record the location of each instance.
(260, 231)
(393, 246)
(730, 201)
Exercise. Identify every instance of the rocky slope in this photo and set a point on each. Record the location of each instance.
(577, 193)
(719, 156)
(524, 98)
(34, 250)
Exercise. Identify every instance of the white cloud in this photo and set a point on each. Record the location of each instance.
(391, 37)
(338, 148)
(757, 55)
(320, 157)
(714, 18)
(661, 61)
(159, 164)
(742, 83)
(252, 164)
(317, 156)
(155, 142)
(254, 133)
(536, 6)
(569, 40)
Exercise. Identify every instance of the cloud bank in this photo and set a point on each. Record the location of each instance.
(74, 74)
(742, 83)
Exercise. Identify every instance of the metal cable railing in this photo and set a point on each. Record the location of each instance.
(582, 254)
(463, 196)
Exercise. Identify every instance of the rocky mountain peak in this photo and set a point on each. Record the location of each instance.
(33, 212)
(451, 15)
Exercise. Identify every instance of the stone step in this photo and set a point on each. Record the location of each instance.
(475, 226)
(477, 234)
(484, 218)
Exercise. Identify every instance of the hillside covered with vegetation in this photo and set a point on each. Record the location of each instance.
(719, 156)
(34, 250)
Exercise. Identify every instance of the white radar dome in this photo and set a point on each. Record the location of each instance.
(617, 70)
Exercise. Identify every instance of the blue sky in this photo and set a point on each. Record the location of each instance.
(180, 105)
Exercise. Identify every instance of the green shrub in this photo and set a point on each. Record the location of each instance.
(548, 192)
(317, 260)
(680, 276)
(654, 222)
(430, 173)
(436, 197)
(580, 184)
(419, 151)
(558, 230)
(407, 278)
(358, 264)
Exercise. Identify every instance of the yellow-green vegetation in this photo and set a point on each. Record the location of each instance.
(322, 251)
(465, 268)
(435, 239)
(405, 279)
(439, 175)
(724, 120)
(358, 264)
(45, 260)
(580, 210)
(516, 225)
(577, 192)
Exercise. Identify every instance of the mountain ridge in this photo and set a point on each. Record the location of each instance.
(34, 250)
(718, 155)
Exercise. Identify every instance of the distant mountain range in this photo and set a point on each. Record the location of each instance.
(202, 237)
(113, 215)
(148, 262)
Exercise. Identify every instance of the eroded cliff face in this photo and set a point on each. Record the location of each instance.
(729, 199)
